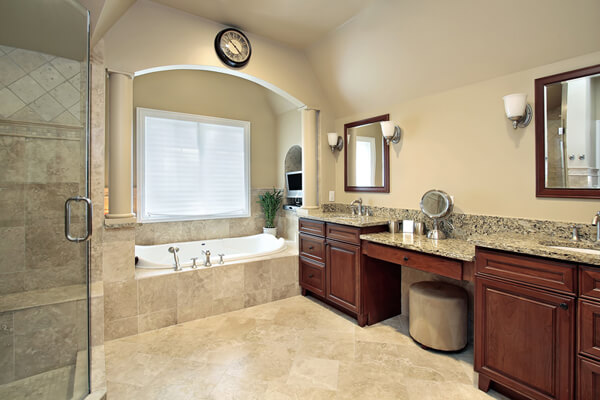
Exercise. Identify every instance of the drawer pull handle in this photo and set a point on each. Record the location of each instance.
(405, 258)
(564, 306)
(311, 275)
(311, 247)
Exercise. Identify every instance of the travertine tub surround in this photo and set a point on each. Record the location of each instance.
(139, 305)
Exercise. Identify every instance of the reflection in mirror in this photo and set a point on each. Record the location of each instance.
(436, 204)
(366, 156)
(568, 134)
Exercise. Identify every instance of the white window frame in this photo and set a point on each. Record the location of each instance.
(141, 114)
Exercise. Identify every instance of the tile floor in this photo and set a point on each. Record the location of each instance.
(295, 348)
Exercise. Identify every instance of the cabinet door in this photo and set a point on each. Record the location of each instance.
(342, 274)
(588, 376)
(524, 338)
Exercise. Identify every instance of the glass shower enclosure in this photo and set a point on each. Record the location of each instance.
(44, 211)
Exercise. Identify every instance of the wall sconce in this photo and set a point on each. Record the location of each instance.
(391, 132)
(517, 109)
(335, 142)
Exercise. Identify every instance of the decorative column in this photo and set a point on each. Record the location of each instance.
(120, 127)
(309, 158)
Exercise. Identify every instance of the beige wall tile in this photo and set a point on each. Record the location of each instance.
(54, 277)
(12, 204)
(46, 248)
(257, 276)
(12, 283)
(257, 297)
(120, 328)
(227, 304)
(156, 294)
(228, 279)
(120, 300)
(156, 320)
(46, 202)
(118, 260)
(7, 361)
(51, 161)
(283, 292)
(194, 294)
(12, 159)
(12, 248)
(284, 270)
(97, 321)
(45, 338)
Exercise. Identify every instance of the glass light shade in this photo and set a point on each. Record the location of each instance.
(514, 105)
(332, 138)
(387, 129)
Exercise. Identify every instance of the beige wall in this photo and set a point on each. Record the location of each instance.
(460, 141)
(289, 133)
(217, 95)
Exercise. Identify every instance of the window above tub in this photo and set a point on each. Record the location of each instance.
(191, 167)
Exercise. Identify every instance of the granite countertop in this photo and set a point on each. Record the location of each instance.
(464, 249)
(346, 219)
(538, 245)
(459, 249)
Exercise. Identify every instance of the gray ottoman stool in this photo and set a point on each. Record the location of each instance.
(438, 315)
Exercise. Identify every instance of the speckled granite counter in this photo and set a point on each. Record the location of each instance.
(452, 248)
(538, 245)
(346, 219)
(464, 249)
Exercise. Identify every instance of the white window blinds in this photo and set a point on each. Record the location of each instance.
(192, 167)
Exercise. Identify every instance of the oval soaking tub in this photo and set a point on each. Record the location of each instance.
(234, 249)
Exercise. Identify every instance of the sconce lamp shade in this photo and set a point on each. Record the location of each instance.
(332, 138)
(390, 132)
(517, 109)
(335, 142)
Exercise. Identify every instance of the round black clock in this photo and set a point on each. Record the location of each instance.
(233, 47)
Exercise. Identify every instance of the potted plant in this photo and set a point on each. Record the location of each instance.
(270, 203)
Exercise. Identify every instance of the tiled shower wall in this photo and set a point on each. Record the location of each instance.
(38, 87)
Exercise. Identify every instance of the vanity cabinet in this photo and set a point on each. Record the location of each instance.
(525, 324)
(330, 264)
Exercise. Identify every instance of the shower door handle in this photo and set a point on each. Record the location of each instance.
(88, 219)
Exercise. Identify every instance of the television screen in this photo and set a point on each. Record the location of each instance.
(294, 183)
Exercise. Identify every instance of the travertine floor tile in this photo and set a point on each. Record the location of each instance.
(295, 348)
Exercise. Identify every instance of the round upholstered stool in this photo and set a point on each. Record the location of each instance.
(438, 315)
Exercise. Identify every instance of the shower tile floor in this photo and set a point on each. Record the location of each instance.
(295, 348)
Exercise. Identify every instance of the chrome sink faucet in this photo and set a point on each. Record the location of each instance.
(358, 203)
(596, 223)
(174, 251)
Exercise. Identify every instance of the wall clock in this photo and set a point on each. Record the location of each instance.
(233, 47)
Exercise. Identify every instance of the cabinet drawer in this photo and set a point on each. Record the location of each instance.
(542, 273)
(589, 282)
(414, 259)
(312, 276)
(588, 376)
(589, 329)
(312, 247)
(312, 227)
(343, 233)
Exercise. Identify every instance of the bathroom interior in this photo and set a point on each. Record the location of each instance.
(435, 169)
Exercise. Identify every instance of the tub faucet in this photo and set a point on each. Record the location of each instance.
(174, 251)
(221, 258)
(207, 259)
(596, 223)
(358, 203)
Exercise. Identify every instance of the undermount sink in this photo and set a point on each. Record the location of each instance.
(577, 249)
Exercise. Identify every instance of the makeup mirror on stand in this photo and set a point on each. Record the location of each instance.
(437, 205)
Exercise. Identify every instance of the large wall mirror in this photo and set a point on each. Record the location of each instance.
(567, 134)
(366, 156)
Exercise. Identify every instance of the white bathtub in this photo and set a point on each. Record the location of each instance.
(234, 249)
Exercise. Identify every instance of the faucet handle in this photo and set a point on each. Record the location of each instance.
(221, 258)
(194, 265)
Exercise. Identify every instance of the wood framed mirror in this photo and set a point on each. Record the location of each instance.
(567, 134)
(366, 156)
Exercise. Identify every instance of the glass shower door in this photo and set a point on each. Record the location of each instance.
(44, 146)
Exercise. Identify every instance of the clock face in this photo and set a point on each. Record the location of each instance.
(233, 47)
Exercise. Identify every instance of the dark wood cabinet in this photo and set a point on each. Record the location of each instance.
(524, 338)
(588, 379)
(330, 265)
(343, 263)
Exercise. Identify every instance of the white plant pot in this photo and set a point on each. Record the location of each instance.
(270, 231)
